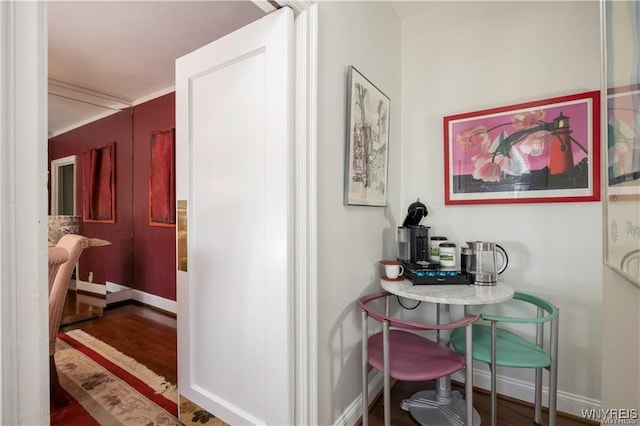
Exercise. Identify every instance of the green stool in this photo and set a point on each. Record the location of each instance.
(500, 347)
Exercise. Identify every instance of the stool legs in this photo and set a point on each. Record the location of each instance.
(537, 413)
(468, 380)
(494, 373)
(365, 382)
(553, 372)
(387, 375)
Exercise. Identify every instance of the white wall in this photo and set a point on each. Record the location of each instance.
(351, 240)
(469, 56)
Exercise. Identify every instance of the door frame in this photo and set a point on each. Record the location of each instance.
(24, 371)
(24, 368)
(305, 212)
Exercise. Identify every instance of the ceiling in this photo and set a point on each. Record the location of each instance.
(109, 55)
(105, 56)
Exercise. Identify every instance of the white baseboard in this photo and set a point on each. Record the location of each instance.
(111, 291)
(117, 293)
(354, 411)
(155, 301)
(567, 403)
(112, 287)
(91, 287)
(519, 389)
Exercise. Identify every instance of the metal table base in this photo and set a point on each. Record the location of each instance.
(425, 408)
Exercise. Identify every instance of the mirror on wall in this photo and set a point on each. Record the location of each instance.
(63, 186)
(622, 159)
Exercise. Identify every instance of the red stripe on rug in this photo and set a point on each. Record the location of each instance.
(133, 381)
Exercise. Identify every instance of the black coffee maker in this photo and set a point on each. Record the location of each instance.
(413, 238)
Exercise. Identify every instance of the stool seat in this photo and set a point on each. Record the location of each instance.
(512, 350)
(401, 353)
(500, 347)
(407, 351)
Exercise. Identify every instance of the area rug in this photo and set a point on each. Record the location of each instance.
(110, 388)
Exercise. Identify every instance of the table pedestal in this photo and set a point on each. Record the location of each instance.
(426, 408)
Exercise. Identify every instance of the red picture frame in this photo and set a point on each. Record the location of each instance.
(99, 184)
(162, 179)
(533, 152)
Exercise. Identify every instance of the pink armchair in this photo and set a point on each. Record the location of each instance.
(73, 245)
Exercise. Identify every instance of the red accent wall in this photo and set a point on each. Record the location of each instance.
(142, 256)
(109, 263)
(154, 247)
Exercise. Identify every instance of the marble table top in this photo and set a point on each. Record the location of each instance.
(90, 242)
(98, 242)
(450, 294)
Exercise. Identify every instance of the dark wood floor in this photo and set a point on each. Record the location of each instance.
(142, 333)
(150, 337)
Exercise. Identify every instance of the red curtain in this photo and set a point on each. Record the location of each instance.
(162, 179)
(99, 184)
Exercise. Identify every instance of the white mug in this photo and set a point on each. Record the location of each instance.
(393, 271)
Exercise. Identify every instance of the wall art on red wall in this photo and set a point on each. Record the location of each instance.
(534, 152)
(99, 184)
(162, 179)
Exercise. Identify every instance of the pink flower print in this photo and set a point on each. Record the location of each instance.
(473, 137)
(489, 168)
(527, 120)
(488, 172)
(480, 159)
(535, 143)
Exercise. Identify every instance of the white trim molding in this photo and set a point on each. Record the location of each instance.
(149, 299)
(524, 391)
(84, 95)
(305, 153)
(353, 413)
(24, 330)
(154, 95)
(113, 293)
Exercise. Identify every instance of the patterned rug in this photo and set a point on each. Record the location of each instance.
(112, 388)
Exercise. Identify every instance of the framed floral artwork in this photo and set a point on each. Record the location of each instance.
(533, 152)
(367, 148)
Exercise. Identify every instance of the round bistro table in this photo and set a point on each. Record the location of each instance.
(443, 406)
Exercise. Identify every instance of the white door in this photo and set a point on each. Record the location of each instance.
(234, 172)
